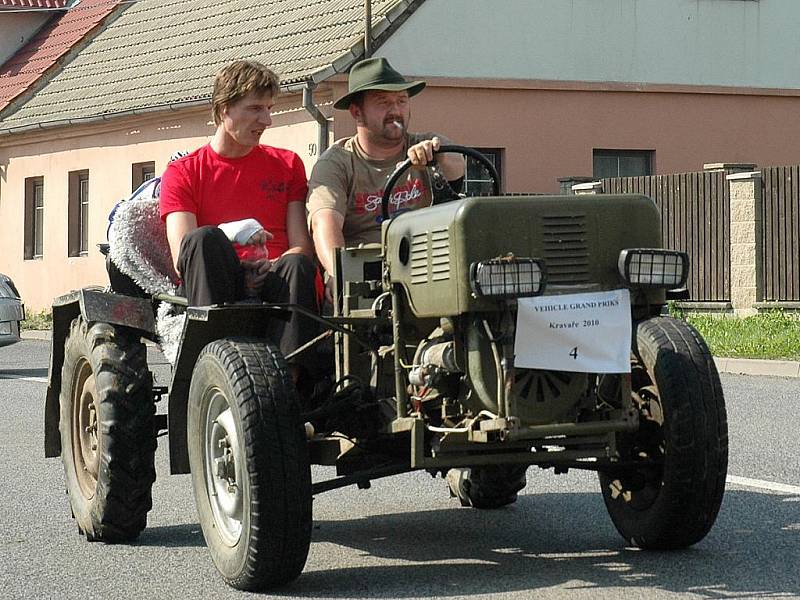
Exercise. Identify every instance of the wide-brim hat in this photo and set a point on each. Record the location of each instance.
(376, 74)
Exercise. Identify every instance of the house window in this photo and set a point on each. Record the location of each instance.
(78, 219)
(622, 163)
(34, 218)
(477, 181)
(141, 172)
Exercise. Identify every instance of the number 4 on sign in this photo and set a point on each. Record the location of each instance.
(574, 353)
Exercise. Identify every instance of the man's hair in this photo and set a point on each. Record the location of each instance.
(357, 99)
(239, 79)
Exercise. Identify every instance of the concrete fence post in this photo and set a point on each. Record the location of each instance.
(729, 168)
(746, 250)
(565, 183)
(593, 187)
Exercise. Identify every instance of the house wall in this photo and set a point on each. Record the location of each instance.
(690, 42)
(549, 130)
(107, 151)
(16, 29)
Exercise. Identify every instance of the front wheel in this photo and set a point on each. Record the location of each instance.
(249, 463)
(672, 500)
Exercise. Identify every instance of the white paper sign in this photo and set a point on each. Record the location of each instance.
(589, 333)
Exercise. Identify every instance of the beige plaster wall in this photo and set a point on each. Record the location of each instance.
(107, 151)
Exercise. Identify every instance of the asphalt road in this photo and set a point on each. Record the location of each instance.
(405, 538)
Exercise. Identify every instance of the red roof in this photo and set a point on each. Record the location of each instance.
(34, 3)
(54, 40)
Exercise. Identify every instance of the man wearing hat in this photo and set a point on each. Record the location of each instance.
(346, 186)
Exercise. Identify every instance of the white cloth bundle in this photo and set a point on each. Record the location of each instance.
(239, 232)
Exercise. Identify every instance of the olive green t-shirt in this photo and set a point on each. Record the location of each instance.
(348, 181)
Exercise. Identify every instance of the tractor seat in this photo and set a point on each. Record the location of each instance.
(138, 246)
(139, 261)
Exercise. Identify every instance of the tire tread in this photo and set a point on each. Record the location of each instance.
(118, 511)
(276, 458)
(696, 434)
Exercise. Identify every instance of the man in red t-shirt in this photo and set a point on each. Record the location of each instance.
(234, 178)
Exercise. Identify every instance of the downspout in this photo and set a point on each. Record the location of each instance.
(367, 28)
(313, 110)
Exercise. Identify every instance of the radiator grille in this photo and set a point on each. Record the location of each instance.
(440, 255)
(430, 257)
(419, 258)
(566, 249)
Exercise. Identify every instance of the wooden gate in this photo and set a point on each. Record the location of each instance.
(780, 234)
(695, 218)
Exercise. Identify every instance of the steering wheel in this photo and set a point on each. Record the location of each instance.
(406, 164)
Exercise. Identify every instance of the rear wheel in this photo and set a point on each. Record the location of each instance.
(108, 438)
(249, 463)
(672, 500)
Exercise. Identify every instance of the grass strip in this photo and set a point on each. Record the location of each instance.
(40, 321)
(771, 335)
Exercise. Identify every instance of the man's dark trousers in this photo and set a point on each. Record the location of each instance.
(212, 274)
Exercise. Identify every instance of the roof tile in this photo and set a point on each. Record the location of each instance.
(161, 52)
(53, 41)
(33, 3)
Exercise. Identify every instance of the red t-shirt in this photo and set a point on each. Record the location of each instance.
(217, 189)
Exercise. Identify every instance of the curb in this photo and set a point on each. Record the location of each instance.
(754, 366)
(736, 366)
(32, 334)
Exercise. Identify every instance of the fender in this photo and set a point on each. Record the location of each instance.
(94, 305)
(203, 325)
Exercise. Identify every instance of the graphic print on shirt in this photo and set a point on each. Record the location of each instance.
(271, 188)
(404, 197)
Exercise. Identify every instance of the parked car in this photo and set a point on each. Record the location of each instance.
(12, 311)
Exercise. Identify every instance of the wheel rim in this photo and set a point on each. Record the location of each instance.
(223, 463)
(85, 432)
(640, 487)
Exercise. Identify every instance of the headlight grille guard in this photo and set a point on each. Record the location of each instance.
(508, 276)
(654, 267)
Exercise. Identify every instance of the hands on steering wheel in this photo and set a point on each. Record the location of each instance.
(406, 164)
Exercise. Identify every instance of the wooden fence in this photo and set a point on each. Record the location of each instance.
(695, 218)
(780, 234)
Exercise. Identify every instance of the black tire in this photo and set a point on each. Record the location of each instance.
(108, 440)
(487, 487)
(249, 462)
(673, 502)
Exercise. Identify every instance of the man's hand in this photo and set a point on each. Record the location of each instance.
(256, 269)
(255, 272)
(421, 153)
(451, 163)
(329, 283)
(260, 237)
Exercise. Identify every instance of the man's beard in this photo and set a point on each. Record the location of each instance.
(389, 131)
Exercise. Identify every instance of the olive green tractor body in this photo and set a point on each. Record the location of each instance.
(447, 356)
(578, 238)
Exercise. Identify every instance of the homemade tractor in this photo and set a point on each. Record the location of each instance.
(483, 335)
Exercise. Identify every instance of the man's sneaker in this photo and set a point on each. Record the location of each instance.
(459, 484)
(491, 486)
